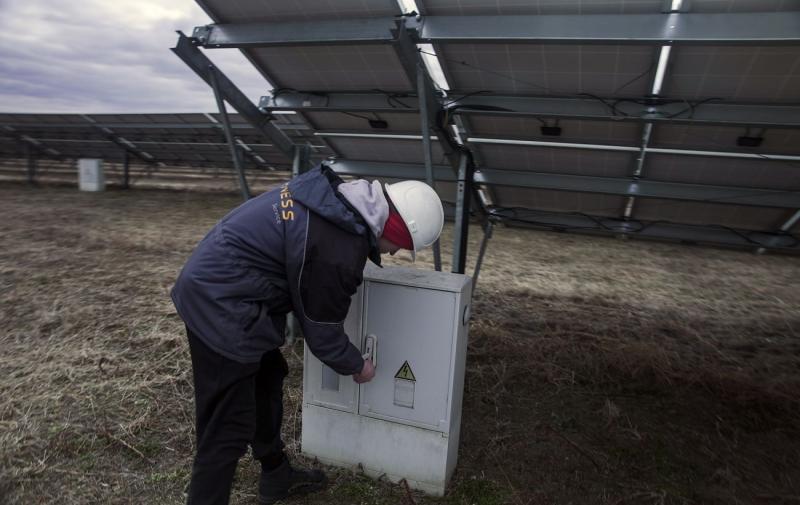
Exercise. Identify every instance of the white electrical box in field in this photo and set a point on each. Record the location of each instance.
(405, 423)
(90, 175)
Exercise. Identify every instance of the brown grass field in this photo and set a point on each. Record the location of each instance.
(600, 371)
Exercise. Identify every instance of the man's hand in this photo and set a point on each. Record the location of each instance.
(366, 374)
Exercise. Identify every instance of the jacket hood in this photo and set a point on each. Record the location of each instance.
(368, 199)
(316, 189)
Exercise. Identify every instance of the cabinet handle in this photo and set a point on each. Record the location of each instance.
(371, 349)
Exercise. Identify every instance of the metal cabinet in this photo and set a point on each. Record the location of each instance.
(405, 423)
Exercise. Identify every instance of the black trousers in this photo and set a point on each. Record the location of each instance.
(237, 404)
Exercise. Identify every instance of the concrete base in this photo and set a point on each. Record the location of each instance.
(424, 458)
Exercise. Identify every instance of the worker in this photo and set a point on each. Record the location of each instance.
(299, 248)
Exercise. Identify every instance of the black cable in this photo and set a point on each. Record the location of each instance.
(692, 106)
(499, 74)
(365, 118)
(649, 69)
(393, 99)
(482, 92)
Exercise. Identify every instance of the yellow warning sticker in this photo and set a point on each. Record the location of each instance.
(405, 373)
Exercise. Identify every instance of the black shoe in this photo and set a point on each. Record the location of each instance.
(286, 481)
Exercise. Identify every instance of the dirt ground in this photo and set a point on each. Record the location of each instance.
(600, 371)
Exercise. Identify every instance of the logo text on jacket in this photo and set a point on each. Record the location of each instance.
(286, 204)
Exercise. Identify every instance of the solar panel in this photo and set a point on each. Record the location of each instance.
(589, 132)
(333, 68)
(545, 70)
(385, 150)
(738, 74)
(719, 138)
(559, 201)
(346, 121)
(711, 214)
(558, 160)
(728, 172)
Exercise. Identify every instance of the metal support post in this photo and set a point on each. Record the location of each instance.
(226, 123)
(301, 159)
(422, 89)
(463, 201)
(126, 164)
(487, 234)
(31, 164)
(788, 225)
(647, 132)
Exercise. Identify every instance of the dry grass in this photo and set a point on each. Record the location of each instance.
(599, 370)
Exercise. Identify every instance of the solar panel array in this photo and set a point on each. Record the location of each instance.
(680, 153)
(689, 132)
(169, 139)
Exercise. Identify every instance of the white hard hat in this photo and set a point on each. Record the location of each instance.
(421, 210)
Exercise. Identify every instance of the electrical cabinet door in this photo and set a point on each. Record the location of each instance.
(324, 387)
(415, 334)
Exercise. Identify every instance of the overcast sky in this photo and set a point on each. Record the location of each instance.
(93, 56)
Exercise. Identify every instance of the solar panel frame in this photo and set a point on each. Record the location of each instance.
(539, 7)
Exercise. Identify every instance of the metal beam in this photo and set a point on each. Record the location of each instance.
(425, 127)
(31, 164)
(647, 131)
(339, 102)
(301, 160)
(412, 63)
(781, 234)
(200, 64)
(487, 234)
(660, 64)
(642, 188)
(579, 183)
(657, 111)
(673, 232)
(632, 149)
(463, 203)
(389, 170)
(791, 222)
(120, 141)
(147, 126)
(764, 28)
(296, 33)
(460, 161)
(126, 167)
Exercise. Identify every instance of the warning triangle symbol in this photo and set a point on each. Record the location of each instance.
(405, 373)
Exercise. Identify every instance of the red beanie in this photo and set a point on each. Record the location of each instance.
(396, 232)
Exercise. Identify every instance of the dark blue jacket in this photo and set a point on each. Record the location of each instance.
(299, 248)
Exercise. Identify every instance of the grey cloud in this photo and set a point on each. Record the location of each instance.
(71, 58)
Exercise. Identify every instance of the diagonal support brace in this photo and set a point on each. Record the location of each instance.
(187, 51)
